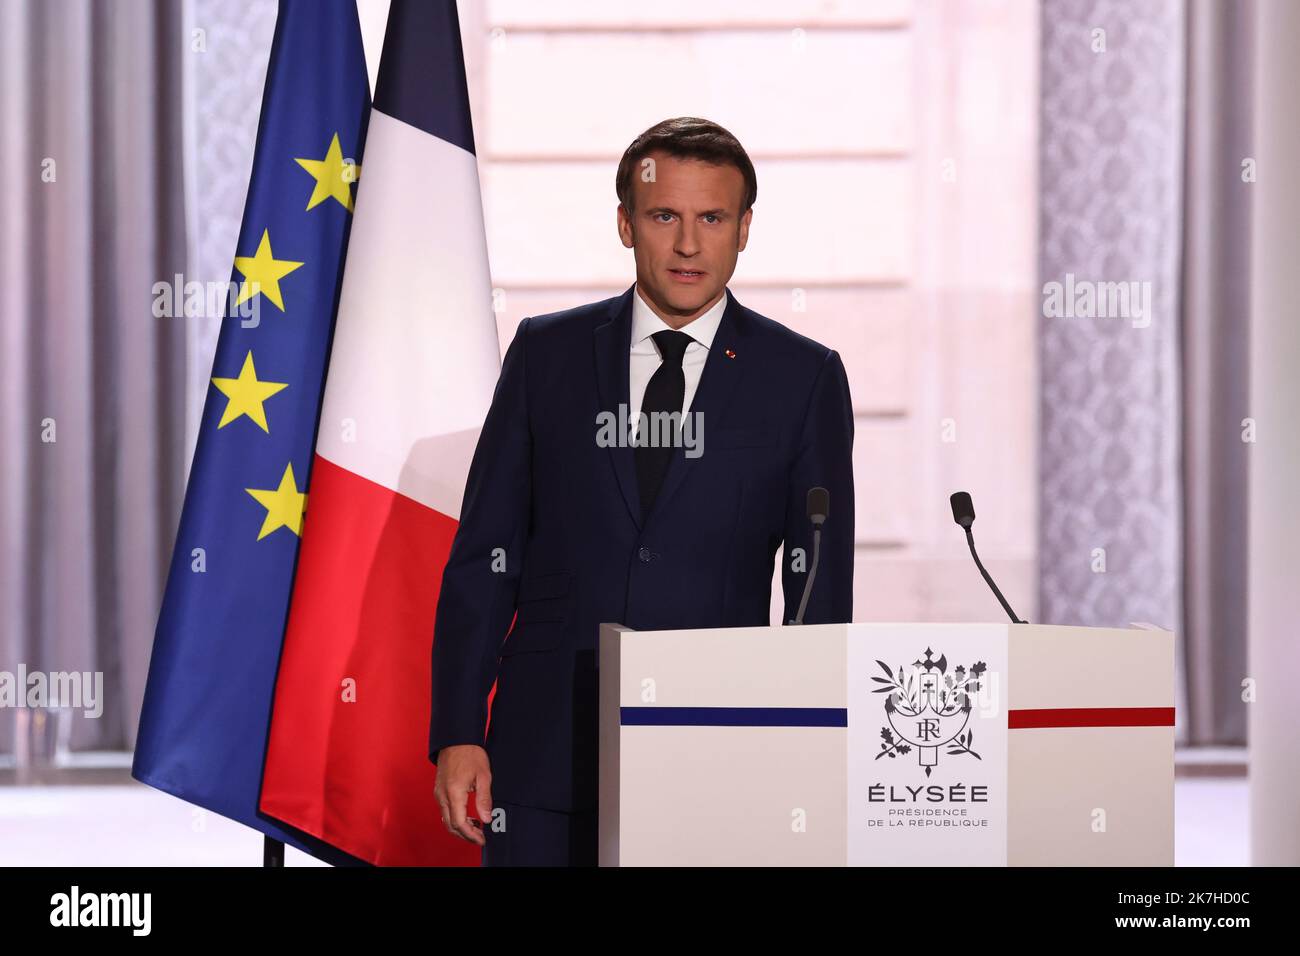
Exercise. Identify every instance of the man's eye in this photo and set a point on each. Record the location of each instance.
(712, 217)
(663, 216)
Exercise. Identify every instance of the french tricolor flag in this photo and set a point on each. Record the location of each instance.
(412, 367)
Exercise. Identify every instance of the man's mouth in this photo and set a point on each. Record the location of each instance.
(686, 275)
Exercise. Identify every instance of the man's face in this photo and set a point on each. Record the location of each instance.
(686, 232)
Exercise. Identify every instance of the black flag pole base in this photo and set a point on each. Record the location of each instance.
(272, 852)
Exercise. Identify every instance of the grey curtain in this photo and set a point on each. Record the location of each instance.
(1216, 365)
(90, 109)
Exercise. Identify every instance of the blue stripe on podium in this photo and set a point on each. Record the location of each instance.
(734, 716)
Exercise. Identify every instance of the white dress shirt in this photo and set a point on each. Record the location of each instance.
(644, 359)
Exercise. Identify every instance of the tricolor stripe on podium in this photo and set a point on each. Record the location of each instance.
(414, 361)
(1024, 719)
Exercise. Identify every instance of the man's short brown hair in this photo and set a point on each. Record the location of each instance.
(687, 137)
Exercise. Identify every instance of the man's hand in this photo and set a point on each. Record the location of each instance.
(463, 769)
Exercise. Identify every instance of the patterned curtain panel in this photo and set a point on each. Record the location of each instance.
(231, 43)
(1111, 155)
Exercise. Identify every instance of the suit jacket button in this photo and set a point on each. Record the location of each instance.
(644, 555)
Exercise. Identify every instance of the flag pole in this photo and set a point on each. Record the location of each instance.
(272, 852)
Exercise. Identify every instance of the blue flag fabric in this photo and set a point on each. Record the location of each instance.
(206, 714)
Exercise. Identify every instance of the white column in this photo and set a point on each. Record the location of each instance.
(1274, 645)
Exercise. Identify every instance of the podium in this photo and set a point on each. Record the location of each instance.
(887, 745)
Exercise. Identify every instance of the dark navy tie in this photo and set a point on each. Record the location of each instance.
(665, 392)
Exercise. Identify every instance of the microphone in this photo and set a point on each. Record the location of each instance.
(819, 509)
(963, 512)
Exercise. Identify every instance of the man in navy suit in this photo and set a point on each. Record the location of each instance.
(643, 460)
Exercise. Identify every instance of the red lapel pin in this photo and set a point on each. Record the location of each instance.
(730, 354)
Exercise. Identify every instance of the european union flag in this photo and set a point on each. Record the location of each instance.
(203, 729)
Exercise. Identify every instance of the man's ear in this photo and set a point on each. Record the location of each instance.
(743, 234)
(626, 232)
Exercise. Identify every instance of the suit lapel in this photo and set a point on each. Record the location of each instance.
(721, 373)
(613, 343)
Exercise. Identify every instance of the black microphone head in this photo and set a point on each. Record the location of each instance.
(819, 505)
(963, 509)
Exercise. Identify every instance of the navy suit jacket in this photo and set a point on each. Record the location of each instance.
(551, 531)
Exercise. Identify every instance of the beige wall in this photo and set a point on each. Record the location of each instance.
(896, 157)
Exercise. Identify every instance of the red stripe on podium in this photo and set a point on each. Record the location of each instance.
(1091, 717)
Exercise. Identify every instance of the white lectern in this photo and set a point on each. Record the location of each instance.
(887, 745)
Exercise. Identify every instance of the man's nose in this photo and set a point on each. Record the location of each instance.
(687, 241)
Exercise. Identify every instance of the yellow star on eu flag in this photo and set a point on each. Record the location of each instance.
(263, 272)
(334, 176)
(246, 395)
(284, 505)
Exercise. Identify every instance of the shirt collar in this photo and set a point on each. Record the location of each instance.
(646, 323)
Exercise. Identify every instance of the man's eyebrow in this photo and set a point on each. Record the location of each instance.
(655, 210)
